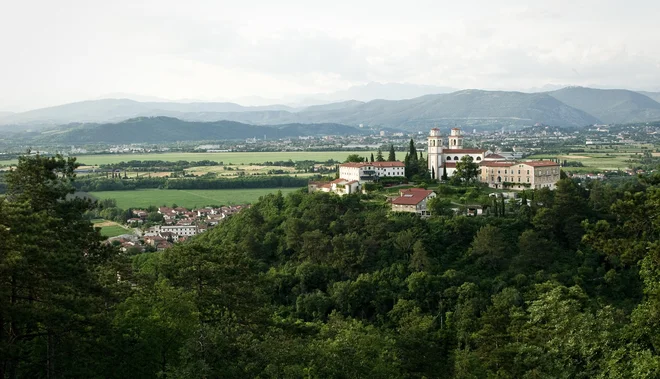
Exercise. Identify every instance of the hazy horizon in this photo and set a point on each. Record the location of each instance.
(68, 51)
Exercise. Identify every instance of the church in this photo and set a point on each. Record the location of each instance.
(441, 157)
(494, 169)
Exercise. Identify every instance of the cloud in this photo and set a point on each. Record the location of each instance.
(210, 49)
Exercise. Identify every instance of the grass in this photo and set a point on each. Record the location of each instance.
(110, 228)
(231, 157)
(186, 198)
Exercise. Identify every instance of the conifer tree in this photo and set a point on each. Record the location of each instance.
(372, 157)
(379, 156)
(392, 156)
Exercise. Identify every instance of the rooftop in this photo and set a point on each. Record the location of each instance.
(412, 196)
(463, 151)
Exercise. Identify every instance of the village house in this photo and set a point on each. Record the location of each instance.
(413, 200)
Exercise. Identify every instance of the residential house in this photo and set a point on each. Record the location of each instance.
(413, 200)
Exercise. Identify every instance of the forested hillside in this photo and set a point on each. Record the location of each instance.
(318, 286)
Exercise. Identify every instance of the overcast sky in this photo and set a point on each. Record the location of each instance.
(68, 50)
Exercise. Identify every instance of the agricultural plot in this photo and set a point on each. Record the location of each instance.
(111, 228)
(592, 161)
(186, 198)
(226, 158)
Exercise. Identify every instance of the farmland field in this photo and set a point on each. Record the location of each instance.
(231, 157)
(110, 228)
(592, 161)
(186, 198)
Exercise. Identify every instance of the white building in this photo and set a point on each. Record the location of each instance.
(370, 171)
(179, 230)
(441, 157)
(339, 186)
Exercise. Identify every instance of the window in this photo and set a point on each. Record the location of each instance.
(448, 158)
(518, 172)
(527, 172)
(455, 157)
(478, 158)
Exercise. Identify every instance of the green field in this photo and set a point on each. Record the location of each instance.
(592, 161)
(111, 229)
(186, 198)
(226, 158)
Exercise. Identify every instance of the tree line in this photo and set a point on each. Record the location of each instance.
(565, 285)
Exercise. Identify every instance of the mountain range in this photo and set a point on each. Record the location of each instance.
(167, 129)
(570, 106)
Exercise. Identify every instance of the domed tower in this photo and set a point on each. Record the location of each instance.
(456, 139)
(434, 154)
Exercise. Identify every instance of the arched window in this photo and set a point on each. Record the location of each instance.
(478, 158)
(448, 158)
(456, 158)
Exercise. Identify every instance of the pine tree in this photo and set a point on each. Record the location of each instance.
(379, 156)
(392, 156)
(372, 157)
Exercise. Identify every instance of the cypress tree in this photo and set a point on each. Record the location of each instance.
(372, 157)
(392, 156)
(379, 156)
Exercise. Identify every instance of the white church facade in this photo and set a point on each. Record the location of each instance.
(441, 157)
(494, 170)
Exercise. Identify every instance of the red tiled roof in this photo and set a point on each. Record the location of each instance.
(463, 151)
(497, 164)
(449, 165)
(412, 196)
(494, 156)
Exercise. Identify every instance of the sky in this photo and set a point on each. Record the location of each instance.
(55, 52)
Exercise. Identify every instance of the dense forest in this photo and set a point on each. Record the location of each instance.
(321, 286)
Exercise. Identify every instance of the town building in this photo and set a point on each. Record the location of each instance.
(520, 175)
(413, 200)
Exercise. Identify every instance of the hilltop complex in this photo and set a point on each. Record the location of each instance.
(496, 171)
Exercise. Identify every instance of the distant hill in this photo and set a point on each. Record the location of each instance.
(167, 129)
(374, 91)
(571, 106)
(333, 106)
(112, 110)
(610, 105)
(468, 108)
(4, 114)
(653, 95)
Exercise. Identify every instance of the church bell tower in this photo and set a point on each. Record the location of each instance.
(434, 154)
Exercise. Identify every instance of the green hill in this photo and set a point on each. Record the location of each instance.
(164, 129)
(610, 105)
